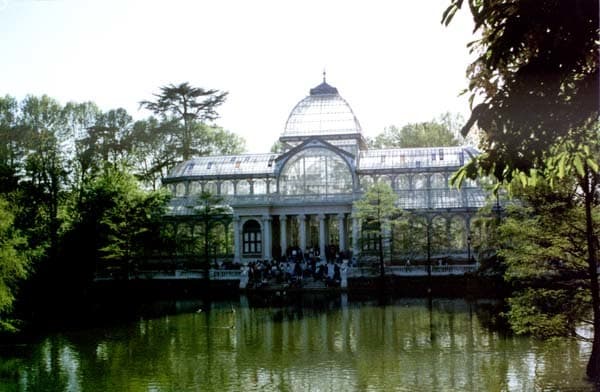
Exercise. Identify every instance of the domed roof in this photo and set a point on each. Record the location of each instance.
(323, 112)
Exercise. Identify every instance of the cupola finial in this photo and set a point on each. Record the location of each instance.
(324, 76)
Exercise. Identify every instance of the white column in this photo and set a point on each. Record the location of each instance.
(302, 231)
(355, 235)
(322, 238)
(236, 240)
(267, 237)
(283, 233)
(342, 232)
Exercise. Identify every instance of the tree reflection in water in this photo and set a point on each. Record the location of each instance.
(304, 343)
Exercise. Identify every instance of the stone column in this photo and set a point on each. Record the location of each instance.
(302, 231)
(355, 235)
(283, 233)
(341, 232)
(266, 240)
(322, 238)
(236, 239)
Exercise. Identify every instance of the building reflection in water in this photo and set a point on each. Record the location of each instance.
(308, 343)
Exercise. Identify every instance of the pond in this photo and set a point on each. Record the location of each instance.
(309, 343)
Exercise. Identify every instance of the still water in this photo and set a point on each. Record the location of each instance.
(307, 344)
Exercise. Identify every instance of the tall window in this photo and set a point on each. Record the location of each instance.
(210, 187)
(370, 238)
(226, 188)
(251, 238)
(260, 187)
(315, 171)
(243, 187)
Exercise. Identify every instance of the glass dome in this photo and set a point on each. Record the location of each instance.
(323, 112)
(315, 171)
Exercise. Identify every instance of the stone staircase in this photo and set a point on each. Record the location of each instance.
(309, 284)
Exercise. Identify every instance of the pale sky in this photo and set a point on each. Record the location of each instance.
(392, 60)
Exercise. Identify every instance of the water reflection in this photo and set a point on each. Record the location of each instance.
(311, 343)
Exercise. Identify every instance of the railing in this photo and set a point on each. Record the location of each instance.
(412, 270)
(290, 199)
(351, 272)
(224, 274)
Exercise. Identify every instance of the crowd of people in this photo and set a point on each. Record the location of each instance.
(297, 267)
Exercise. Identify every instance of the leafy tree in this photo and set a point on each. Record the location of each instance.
(213, 140)
(153, 152)
(434, 133)
(535, 79)
(108, 139)
(15, 257)
(46, 169)
(277, 147)
(128, 219)
(12, 144)
(189, 106)
(543, 245)
(410, 236)
(210, 210)
(376, 209)
(80, 118)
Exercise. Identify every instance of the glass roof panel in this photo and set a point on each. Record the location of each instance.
(414, 158)
(248, 164)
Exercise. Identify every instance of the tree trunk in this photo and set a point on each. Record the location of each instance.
(593, 367)
(381, 261)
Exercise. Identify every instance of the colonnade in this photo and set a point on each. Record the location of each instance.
(301, 240)
(302, 231)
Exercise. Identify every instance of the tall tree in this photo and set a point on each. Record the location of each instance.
(536, 84)
(214, 140)
(110, 136)
(153, 152)
(81, 117)
(15, 257)
(543, 245)
(435, 133)
(12, 144)
(189, 106)
(125, 217)
(46, 166)
(535, 78)
(375, 210)
(209, 210)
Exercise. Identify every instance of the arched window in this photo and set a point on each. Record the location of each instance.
(195, 188)
(370, 238)
(226, 188)
(366, 182)
(385, 180)
(260, 187)
(180, 189)
(458, 233)
(315, 171)
(243, 188)
(438, 234)
(402, 182)
(251, 238)
(419, 181)
(438, 181)
(210, 187)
